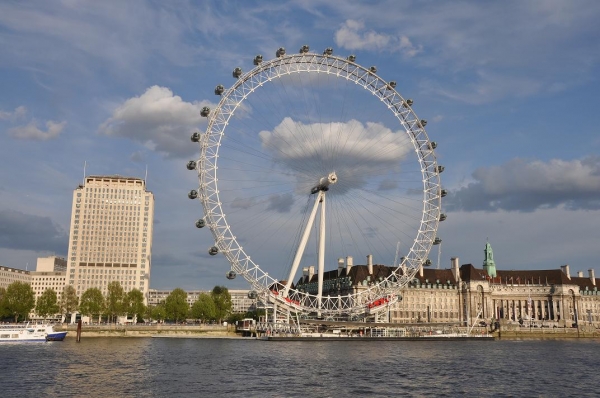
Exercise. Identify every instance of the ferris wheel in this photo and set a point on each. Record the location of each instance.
(311, 160)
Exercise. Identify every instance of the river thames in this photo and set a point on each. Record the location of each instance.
(173, 367)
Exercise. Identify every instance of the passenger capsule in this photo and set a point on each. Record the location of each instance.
(427, 263)
(280, 52)
(442, 217)
(230, 275)
(195, 137)
(443, 193)
(432, 145)
(200, 223)
(423, 122)
(219, 89)
(193, 194)
(351, 58)
(252, 294)
(391, 85)
(439, 169)
(258, 59)
(304, 49)
(328, 51)
(204, 112)
(191, 165)
(373, 69)
(213, 250)
(437, 241)
(237, 72)
(407, 103)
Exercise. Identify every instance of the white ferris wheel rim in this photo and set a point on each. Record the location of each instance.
(226, 242)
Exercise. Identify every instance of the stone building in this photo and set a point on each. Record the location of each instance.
(111, 234)
(466, 295)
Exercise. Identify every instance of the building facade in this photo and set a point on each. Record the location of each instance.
(111, 234)
(9, 275)
(466, 295)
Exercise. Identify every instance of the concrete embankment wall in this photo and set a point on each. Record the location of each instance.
(148, 331)
(517, 332)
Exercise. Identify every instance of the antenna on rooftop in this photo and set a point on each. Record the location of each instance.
(84, 166)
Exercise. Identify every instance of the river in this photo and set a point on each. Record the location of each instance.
(201, 367)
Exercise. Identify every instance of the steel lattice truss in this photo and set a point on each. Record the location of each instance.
(225, 241)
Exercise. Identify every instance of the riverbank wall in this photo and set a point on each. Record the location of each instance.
(219, 331)
(112, 330)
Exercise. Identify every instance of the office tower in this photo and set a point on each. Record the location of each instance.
(111, 234)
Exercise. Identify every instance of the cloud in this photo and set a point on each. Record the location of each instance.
(281, 203)
(352, 36)
(523, 186)
(159, 120)
(362, 152)
(31, 131)
(18, 113)
(22, 231)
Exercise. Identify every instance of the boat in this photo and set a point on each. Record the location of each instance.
(21, 333)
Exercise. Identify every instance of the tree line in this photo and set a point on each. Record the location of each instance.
(17, 301)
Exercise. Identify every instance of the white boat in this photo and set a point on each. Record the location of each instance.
(20, 333)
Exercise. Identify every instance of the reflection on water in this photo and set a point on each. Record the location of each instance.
(145, 367)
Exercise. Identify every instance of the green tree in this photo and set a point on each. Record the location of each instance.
(204, 308)
(176, 305)
(222, 300)
(19, 300)
(134, 304)
(115, 298)
(92, 302)
(3, 310)
(158, 312)
(47, 304)
(69, 302)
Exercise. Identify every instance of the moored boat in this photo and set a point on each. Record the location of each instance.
(27, 332)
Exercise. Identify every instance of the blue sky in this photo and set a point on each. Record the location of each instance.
(510, 90)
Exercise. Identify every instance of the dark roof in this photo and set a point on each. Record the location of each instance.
(543, 277)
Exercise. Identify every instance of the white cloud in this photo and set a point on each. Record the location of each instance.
(353, 36)
(31, 131)
(520, 185)
(17, 114)
(157, 119)
(362, 151)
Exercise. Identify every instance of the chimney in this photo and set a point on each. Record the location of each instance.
(311, 272)
(565, 270)
(580, 274)
(340, 265)
(592, 277)
(370, 264)
(349, 264)
(421, 270)
(455, 268)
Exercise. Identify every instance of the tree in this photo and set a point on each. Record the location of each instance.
(69, 302)
(47, 304)
(222, 300)
(19, 300)
(204, 308)
(176, 305)
(115, 298)
(92, 302)
(158, 312)
(134, 304)
(3, 310)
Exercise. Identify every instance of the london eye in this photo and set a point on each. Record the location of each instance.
(309, 163)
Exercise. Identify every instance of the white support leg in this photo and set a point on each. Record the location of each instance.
(302, 245)
(321, 251)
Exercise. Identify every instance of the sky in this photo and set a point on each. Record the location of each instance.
(509, 89)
